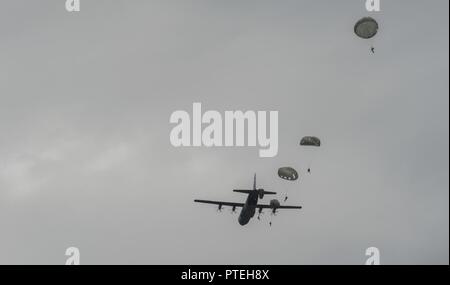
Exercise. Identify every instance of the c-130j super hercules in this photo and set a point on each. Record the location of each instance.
(251, 204)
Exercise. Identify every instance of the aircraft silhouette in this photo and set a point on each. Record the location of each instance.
(251, 204)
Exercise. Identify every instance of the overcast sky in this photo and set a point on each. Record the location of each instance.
(85, 156)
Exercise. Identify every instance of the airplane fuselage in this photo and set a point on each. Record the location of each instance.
(249, 209)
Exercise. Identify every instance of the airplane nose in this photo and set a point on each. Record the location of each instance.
(242, 222)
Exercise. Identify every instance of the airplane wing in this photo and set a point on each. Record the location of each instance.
(278, 207)
(220, 203)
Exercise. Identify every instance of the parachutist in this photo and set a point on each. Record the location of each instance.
(285, 198)
(366, 28)
(270, 224)
(309, 170)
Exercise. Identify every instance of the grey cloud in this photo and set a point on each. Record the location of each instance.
(85, 157)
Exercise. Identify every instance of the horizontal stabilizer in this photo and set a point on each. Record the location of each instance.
(260, 206)
(243, 191)
(250, 191)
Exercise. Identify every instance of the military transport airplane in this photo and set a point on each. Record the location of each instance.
(251, 204)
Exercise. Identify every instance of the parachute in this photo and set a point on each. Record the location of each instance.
(310, 141)
(366, 28)
(288, 173)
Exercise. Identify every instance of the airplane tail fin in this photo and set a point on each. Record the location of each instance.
(261, 191)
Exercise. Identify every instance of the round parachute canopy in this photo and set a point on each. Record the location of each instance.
(288, 173)
(274, 203)
(310, 141)
(366, 28)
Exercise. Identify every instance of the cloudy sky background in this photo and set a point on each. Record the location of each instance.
(85, 156)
